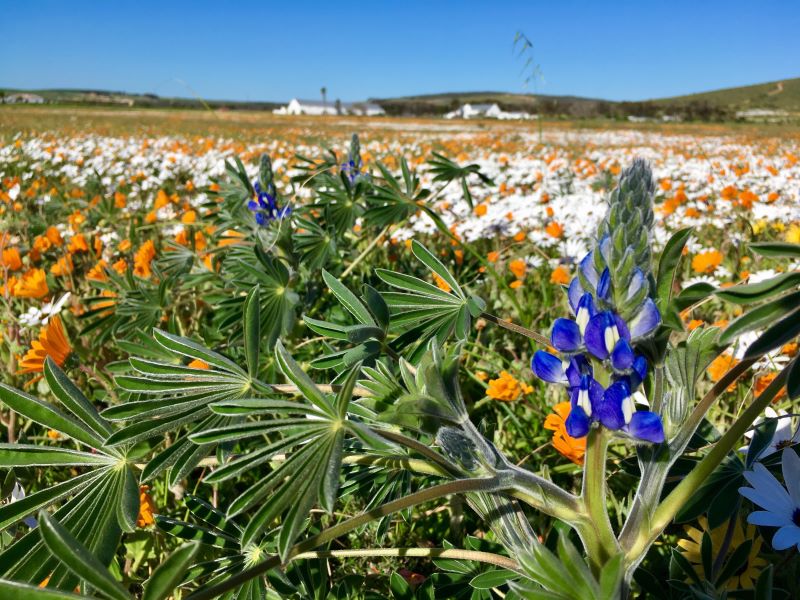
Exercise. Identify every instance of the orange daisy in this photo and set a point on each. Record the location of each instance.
(52, 342)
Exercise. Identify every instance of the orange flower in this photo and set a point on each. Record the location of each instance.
(54, 236)
(763, 382)
(52, 342)
(721, 365)
(146, 508)
(189, 216)
(572, 448)
(11, 260)
(98, 272)
(554, 229)
(124, 245)
(560, 275)
(77, 243)
(120, 200)
(519, 236)
(480, 210)
(515, 284)
(32, 284)
(789, 349)
(62, 267)
(493, 256)
(707, 262)
(230, 237)
(142, 259)
(198, 364)
(42, 243)
(441, 283)
(120, 266)
(517, 267)
(506, 388)
(694, 324)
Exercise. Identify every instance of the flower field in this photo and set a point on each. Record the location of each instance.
(226, 336)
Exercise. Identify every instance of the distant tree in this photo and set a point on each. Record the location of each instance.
(338, 105)
(324, 91)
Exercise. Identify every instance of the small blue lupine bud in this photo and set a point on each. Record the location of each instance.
(622, 356)
(610, 412)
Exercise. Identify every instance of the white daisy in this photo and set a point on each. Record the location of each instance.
(781, 504)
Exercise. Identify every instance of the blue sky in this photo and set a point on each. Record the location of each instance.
(278, 50)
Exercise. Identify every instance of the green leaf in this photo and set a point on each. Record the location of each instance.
(793, 381)
(128, 504)
(73, 399)
(764, 584)
(24, 455)
(760, 317)
(737, 560)
(755, 292)
(348, 299)
(399, 587)
(165, 579)
(777, 335)
(376, 304)
(78, 559)
(776, 249)
(12, 512)
(252, 330)
(434, 264)
(297, 376)
(667, 266)
(492, 579)
(47, 415)
(23, 591)
(193, 350)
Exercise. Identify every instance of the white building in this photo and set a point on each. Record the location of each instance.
(485, 111)
(315, 107)
(23, 99)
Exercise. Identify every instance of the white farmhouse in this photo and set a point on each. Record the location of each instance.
(23, 99)
(485, 111)
(315, 107)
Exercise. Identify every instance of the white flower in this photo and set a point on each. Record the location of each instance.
(782, 437)
(782, 505)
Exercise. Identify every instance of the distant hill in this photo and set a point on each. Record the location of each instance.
(111, 98)
(775, 95)
(776, 100)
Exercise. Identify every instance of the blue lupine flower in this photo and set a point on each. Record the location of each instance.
(265, 207)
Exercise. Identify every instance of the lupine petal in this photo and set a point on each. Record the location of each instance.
(637, 281)
(588, 270)
(578, 366)
(548, 367)
(574, 294)
(639, 371)
(253, 205)
(566, 336)
(605, 248)
(585, 311)
(594, 336)
(604, 285)
(577, 423)
(622, 356)
(646, 320)
(622, 327)
(646, 425)
(609, 410)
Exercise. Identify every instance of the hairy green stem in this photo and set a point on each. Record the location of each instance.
(596, 533)
(462, 486)
(375, 241)
(529, 333)
(670, 506)
(497, 560)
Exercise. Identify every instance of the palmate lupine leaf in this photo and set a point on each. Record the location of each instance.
(166, 396)
(394, 200)
(100, 497)
(275, 298)
(315, 244)
(369, 333)
(444, 169)
(423, 311)
(162, 583)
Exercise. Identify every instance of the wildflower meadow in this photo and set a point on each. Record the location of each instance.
(264, 357)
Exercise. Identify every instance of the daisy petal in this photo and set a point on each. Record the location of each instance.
(786, 537)
(791, 474)
(768, 519)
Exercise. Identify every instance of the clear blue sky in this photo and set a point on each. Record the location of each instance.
(249, 50)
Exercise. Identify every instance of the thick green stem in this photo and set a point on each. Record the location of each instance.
(461, 486)
(670, 506)
(596, 533)
(485, 557)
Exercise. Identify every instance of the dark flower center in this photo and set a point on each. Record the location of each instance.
(796, 517)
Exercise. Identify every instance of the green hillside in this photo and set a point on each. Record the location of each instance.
(775, 95)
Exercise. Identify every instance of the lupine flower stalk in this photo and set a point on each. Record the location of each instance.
(613, 310)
